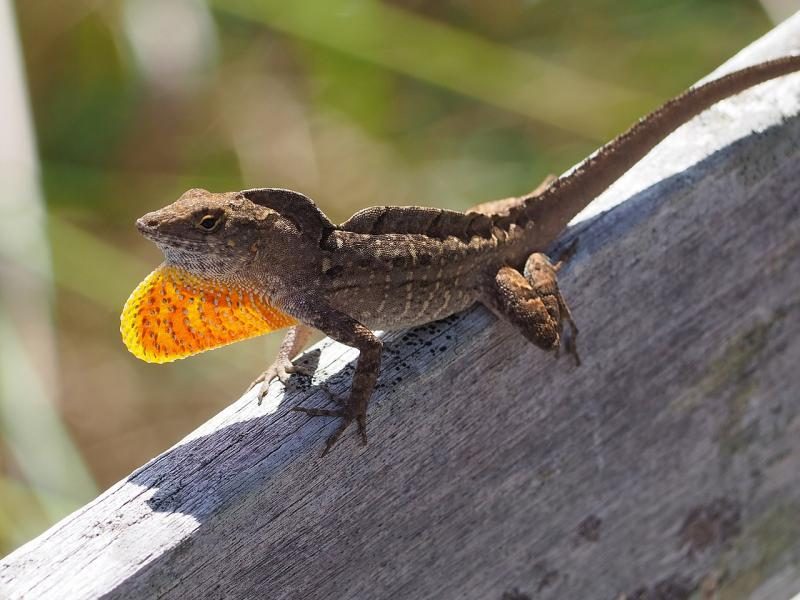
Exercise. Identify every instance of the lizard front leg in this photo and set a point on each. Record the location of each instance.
(347, 330)
(282, 368)
(533, 304)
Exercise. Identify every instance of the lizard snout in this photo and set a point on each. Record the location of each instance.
(147, 224)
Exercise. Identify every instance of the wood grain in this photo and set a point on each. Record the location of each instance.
(666, 466)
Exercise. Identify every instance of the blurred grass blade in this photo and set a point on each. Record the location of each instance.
(453, 59)
(83, 261)
(39, 442)
(22, 516)
(29, 382)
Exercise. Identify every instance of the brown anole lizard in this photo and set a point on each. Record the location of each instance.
(239, 264)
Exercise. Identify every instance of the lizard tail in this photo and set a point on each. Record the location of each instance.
(552, 209)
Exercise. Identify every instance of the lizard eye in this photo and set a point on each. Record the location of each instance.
(208, 222)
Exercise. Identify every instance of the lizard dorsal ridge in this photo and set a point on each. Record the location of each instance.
(297, 208)
(439, 223)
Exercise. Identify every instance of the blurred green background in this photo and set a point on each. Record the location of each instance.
(110, 109)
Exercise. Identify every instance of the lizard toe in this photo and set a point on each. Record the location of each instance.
(280, 370)
(362, 428)
(322, 412)
(346, 415)
(256, 381)
(342, 413)
(334, 437)
(292, 369)
(263, 390)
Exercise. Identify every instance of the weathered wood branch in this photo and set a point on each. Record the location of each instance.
(665, 466)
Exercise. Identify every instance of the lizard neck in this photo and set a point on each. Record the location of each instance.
(554, 208)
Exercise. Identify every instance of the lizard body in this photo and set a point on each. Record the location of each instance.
(263, 259)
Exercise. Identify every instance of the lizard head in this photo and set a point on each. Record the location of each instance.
(220, 250)
(220, 236)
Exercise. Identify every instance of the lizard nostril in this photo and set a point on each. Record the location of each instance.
(146, 223)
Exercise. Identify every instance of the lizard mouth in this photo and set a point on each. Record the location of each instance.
(153, 229)
(165, 241)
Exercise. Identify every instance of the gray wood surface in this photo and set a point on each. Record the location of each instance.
(667, 466)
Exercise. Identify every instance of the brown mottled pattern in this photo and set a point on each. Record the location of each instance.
(423, 278)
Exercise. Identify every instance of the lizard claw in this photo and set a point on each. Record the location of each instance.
(565, 255)
(347, 415)
(264, 379)
(570, 344)
(282, 370)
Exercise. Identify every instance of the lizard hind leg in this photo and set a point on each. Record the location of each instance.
(533, 303)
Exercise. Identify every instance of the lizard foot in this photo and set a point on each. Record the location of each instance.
(533, 303)
(570, 335)
(282, 370)
(348, 415)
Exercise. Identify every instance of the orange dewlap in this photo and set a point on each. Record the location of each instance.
(173, 314)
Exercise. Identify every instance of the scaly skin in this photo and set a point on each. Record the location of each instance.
(395, 267)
